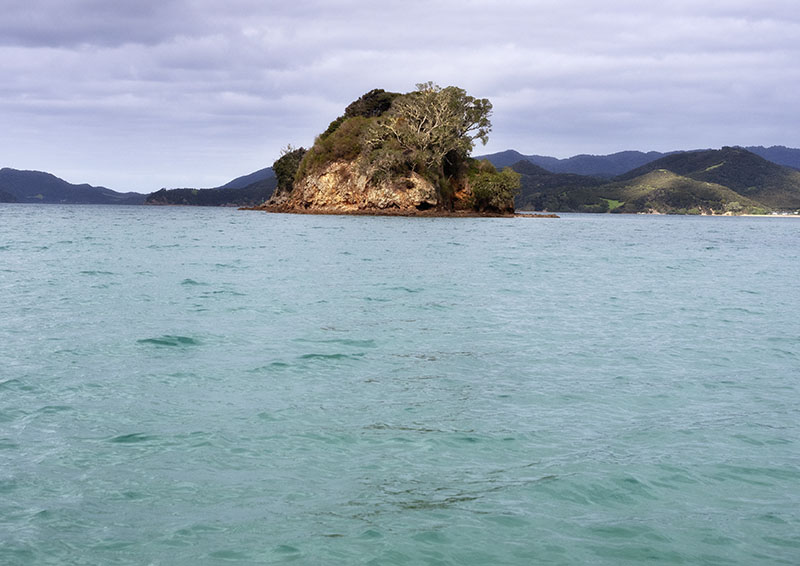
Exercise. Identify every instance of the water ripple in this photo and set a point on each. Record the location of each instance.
(170, 340)
(596, 390)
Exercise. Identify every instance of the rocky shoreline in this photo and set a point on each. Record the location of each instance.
(429, 213)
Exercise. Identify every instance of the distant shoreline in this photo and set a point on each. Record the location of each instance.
(789, 215)
(770, 215)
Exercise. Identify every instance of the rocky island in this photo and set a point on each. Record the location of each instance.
(398, 154)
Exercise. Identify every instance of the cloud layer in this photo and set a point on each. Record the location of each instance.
(140, 95)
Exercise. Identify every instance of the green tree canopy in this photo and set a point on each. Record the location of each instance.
(493, 191)
(286, 166)
(431, 123)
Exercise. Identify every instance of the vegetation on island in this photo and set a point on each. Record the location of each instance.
(389, 137)
(285, 168)
(492, 190)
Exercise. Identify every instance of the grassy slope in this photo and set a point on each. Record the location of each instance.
(737, 169)
(698, 181)
(665, 191)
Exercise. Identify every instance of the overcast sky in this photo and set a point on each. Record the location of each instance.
(143, 94)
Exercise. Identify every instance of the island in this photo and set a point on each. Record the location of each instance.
(398, 154)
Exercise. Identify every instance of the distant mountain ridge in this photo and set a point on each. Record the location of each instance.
(598, 165)
(727, 180)
(614, 164)
(251, 195)
(247, 180)
(17, 186)
(247, 190)
(782, 155)
(40, 187)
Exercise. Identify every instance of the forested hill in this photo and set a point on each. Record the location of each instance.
(608, 166)
(728, 180)
(247, 180)
(252, 195)
(736, 168)
(597, 165)
(788, 156)
(247, 190)
(40, 187)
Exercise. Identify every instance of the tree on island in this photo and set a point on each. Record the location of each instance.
(432, 127)
(285, 168)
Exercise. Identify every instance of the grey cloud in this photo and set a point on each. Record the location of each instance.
(69, 23)
(223, 86)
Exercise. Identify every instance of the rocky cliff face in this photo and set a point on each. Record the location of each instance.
(340, 188)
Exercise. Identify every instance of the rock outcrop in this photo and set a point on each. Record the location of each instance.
(397, 154)
(340, 188)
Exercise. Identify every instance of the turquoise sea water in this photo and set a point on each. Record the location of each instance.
(208, 386)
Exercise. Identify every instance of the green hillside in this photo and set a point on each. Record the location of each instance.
(666, 192)
(605, 166)
(728, 180)
(751, 176)
(40, 187)
(542, 190)
(621, 162)
(252, 195)
(247, 180)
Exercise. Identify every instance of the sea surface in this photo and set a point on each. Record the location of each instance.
(184, 386)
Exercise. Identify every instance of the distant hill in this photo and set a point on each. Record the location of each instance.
(596, 165)
(661, 190)
(542, 190)
(39, 187)
(730, 179)
(247, 180)
(742, 171)
(247, 190)
(251, 195)
(779, 154)
(609, 166)
(507, 158)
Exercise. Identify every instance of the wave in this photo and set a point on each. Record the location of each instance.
(170, 340)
